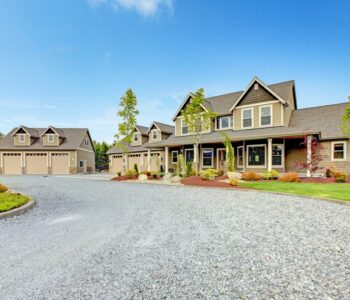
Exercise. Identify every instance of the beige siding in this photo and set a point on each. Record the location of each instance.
(87, 156)
(326, 154)
(159, 136)
(27, 140)
(56, 140)
(276, 115)
(87, 147)
(178, 126)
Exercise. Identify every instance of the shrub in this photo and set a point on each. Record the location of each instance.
(208, 174)
(131, 173)
(340, 177)
(221, 173)
(188, 168)
(136, 169)
(3, 188)
(155, 174)
(290, 177)
(161, 170)
(119, 173)
(250, 176)
(234, 182)
(270, 175)
(147, 173)
(329, 173)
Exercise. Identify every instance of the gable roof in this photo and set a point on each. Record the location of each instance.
(257, 80)
(31, 131)
(58, 131)
(206, 105)
(141, 129)
(165, 128)
(72, 140)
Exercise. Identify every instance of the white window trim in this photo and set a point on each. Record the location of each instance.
(50, 136)
(86, 142)
(247, 158)
(188, 133)
(172, 156)
(282, 160)
(220, 123)
(271, 114)
(152, 132)
(238, 165)
(332, 150)
(138, 137)
(252, 114)
(20, 136)
(212, 158)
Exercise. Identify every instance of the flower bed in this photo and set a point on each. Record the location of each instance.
(198, 181)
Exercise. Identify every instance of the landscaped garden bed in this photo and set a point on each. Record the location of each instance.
(10, 200)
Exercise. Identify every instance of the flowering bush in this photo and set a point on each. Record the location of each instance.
(3, 188)
(250, 176)
(340, 177)
(270, 175)
(208, 174)
(131, 173)
(290, 177)
(234, 182)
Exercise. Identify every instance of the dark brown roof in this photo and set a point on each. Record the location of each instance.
(165, 128)
(72, 140)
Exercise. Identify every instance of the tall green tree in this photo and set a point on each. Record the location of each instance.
(1, 135)
(197, 119)
(128, 113)
(345, 125)
(101, 157)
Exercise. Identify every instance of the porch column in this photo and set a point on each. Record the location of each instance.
(166, 169)
(195, 165)
(149, 160)
(308, 155)
(269, 154)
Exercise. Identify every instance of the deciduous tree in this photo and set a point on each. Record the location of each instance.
(345, 124)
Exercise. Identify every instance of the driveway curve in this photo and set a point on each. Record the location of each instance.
(94, 239)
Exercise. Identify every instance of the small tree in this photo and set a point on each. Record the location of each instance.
(345, 124)
(315, 158)
(180, 166)
(101, 157)
(230, 153)
(197, 119)
(128, 113)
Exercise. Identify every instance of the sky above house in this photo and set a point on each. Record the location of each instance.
(67, 63)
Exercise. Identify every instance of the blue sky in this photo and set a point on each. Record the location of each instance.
(66, 63)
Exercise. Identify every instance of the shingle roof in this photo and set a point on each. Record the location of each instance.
(72, 140)
(303, 121)
(142, 129)
(32, 131)
(131, 149)
(164, 127)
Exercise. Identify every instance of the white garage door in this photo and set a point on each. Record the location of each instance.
(36, 163)
(60, 163)
(117, 164)
(12, 163)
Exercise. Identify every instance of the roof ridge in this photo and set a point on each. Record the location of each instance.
(326, 105)
(163, 123)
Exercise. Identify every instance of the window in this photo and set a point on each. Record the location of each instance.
(184, 128)
(81, 164)
(277, 155)
(21, 138)
(256, 156)
(86, 142)
(265, 115)
(256, 86)
(174, 155)
(207, 157)
(225, 122)
(136, 136)
(154, 133)
(339, 151)
(50, 138)
(247, 118)
(240, 156)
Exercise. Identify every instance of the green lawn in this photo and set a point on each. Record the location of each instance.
(339, 191)
(10, 201)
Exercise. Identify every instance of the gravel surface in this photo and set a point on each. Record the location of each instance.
(94, 239)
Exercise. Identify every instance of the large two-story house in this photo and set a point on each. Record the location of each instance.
(266, 129)
(48, 150)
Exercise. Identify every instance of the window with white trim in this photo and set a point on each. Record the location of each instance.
(240, 156)
(339, 151)
(265, 115)
(21, 138)
(154, 133)
(86, 142)
(247, 118)
(50, 138)
(174, 155)
(277, 155)
(184, 127)
(207, 157)
(136, 136)
(225, 122)
(256, 155)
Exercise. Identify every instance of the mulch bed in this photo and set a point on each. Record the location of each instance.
(198, 181)
(125, 178)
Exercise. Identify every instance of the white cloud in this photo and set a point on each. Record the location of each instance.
(143, 7)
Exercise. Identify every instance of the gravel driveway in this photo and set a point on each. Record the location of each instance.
(94, 239)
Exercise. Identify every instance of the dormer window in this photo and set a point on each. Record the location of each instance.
(136, 137)
(154, 133)
(225, 122)
(50, 138)
(21, 138)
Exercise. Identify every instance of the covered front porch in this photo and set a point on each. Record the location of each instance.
(259, 155)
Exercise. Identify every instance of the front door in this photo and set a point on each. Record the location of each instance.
(189, 155)
(221, 159)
